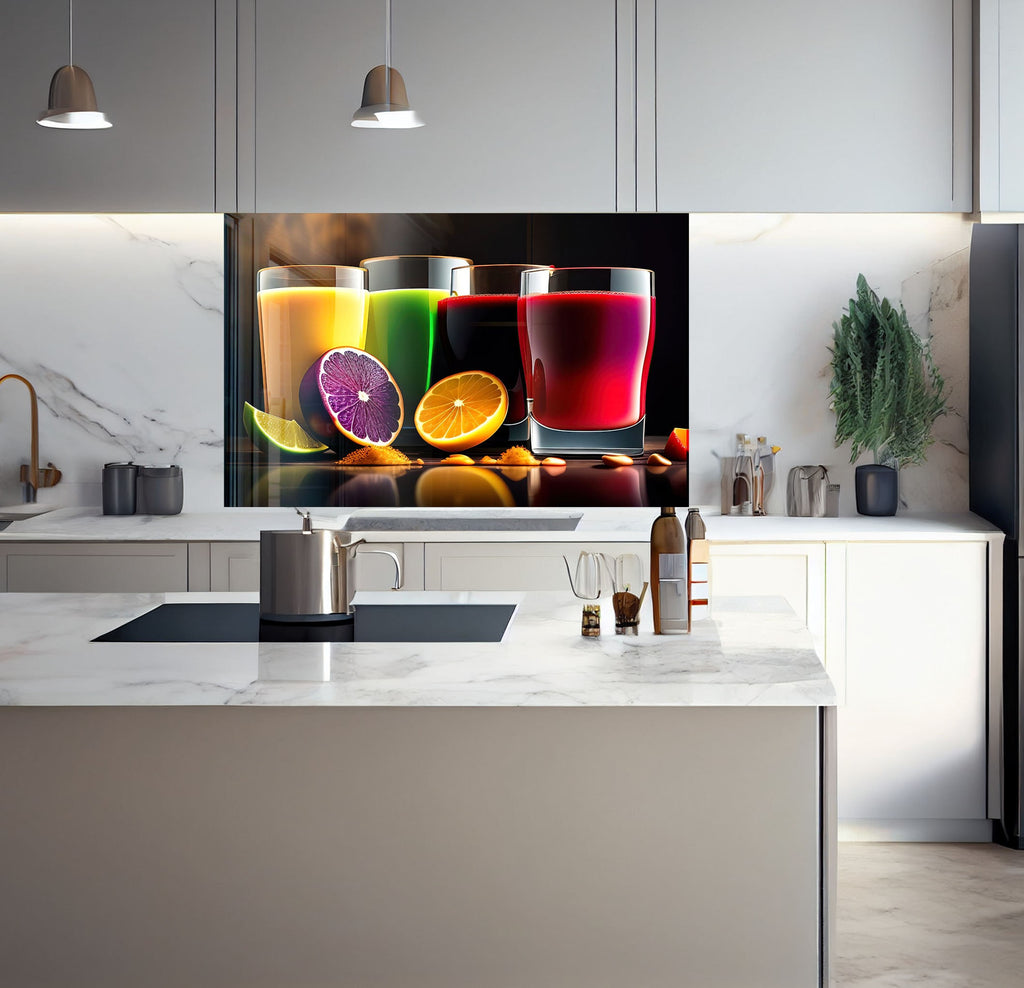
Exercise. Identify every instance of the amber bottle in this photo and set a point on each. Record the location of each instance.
(668, 573)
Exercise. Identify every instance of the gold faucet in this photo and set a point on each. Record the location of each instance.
(30, 476)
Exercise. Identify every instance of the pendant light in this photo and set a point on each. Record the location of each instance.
(72, 104)
(385, 103)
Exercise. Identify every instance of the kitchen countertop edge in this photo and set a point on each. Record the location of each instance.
(600, 524)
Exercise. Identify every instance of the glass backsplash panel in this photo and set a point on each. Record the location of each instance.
(455, 360)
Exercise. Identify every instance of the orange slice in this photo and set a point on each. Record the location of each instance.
(461, 411)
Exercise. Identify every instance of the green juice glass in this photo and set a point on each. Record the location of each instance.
(402, 327)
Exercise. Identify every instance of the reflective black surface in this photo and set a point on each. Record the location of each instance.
(240, 622)
(656, 241)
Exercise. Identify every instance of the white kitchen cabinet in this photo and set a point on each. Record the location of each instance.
(94, 567)
(236, 566)
(513, 565)
(794, 571)
(912, 732)
(803, 106)
(153, 69)
(1000, 106)
(519, 102)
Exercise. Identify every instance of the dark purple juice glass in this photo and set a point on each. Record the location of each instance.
(478, 329)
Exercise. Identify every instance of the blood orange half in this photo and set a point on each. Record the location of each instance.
(360, 395)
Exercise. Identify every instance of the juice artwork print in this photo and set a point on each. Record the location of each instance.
(588, 354)
(401, 334)
(481, 332)
(297, 325)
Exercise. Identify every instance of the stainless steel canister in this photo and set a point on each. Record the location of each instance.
(302, 574)
(309, 573)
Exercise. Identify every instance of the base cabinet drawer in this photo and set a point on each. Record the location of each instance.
(99, 567)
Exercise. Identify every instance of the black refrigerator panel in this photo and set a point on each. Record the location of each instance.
(1009, 829)
(994, 413)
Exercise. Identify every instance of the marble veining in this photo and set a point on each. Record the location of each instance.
(937, 304)
(751, 653)
(764, 292)
(118, 322)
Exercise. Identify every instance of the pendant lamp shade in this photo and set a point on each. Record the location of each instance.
(385, 102)
(72, 103)
(381, 108)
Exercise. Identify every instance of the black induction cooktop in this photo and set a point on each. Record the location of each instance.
(240, 622)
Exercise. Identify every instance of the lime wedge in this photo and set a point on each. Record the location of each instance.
(285, 435)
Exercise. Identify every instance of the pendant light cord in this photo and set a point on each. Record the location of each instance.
(387, 52)
(71, 32)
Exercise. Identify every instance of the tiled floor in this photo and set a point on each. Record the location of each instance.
(940, 915)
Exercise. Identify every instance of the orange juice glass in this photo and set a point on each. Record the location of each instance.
(304, 310)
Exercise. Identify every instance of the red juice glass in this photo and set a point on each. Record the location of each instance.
(586, 336)
(478, 329)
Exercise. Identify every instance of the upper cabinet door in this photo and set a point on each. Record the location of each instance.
(800, 105)
(518, 101)
(1000, 134)
(153, 69)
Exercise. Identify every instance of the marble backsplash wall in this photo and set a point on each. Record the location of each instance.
(764, 292)
(118, 322)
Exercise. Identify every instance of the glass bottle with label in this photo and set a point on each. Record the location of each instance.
(668, 573)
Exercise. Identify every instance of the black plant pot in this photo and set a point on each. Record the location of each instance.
(878, 489)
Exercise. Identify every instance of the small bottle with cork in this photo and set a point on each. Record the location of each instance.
(698, 559)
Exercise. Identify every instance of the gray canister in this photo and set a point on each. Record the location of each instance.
(161, 490)
(119, 481)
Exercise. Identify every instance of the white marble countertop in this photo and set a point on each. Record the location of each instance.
(752, 652)
(595, 524)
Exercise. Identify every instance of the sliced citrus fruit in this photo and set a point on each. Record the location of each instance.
(271, 432)
(360, 395)
(462, 410)
(462, 487)
(317, 420)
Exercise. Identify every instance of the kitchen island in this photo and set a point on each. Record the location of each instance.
(546, 810)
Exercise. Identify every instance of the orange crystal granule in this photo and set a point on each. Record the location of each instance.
(375, 456)
(518, 456)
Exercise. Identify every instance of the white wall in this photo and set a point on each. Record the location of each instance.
(764, 292)
(118, 322)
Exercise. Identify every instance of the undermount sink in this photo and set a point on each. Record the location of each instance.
(240, 622)
(19, 512)
(455, 520)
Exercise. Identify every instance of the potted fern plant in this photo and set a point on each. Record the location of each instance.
(886, 393)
